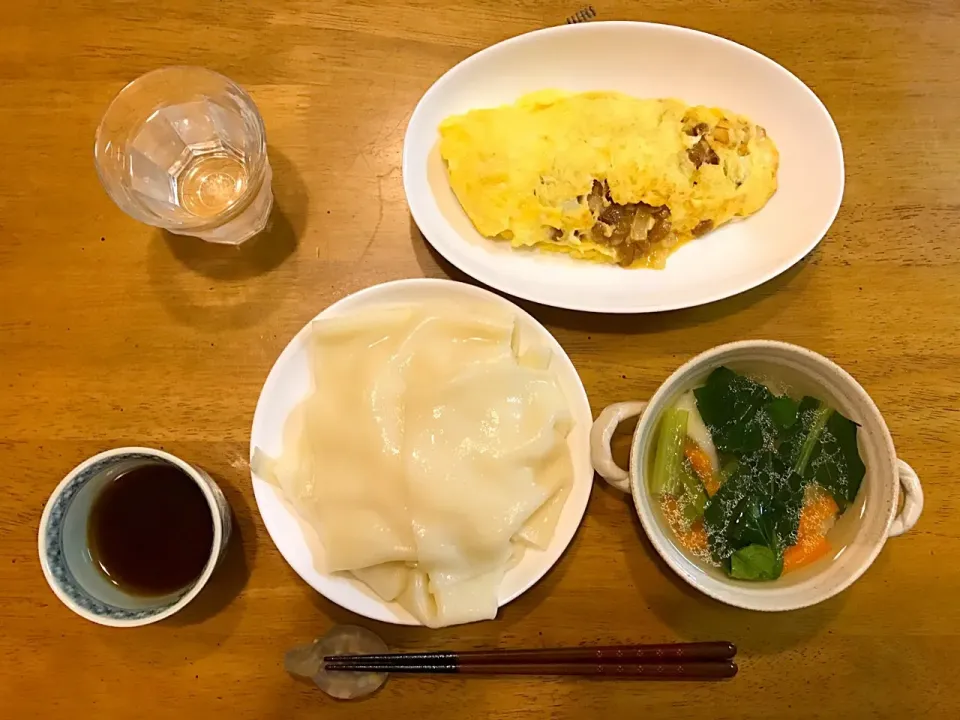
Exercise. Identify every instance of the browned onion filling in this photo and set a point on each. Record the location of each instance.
(632, 229)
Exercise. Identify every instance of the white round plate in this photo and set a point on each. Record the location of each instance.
(290, 381)
(649, 61)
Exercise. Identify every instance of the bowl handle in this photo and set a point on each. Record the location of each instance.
(912, 500)
(600, 435)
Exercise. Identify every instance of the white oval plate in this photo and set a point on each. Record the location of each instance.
(644, 60)
(290, 381)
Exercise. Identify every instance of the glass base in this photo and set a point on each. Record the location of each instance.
(250, 222)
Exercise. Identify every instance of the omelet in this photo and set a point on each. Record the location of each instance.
(604, 176)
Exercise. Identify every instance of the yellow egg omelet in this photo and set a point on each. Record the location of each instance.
(605, 176)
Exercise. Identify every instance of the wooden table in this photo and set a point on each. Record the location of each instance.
(112, 333)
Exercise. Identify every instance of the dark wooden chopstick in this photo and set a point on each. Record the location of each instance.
(637, 654)
(708, 670)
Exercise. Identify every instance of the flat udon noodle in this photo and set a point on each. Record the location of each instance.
(555, 474)
(346, 480)
(471, 454)
(453, 599)
(428, 457)
(387, 580)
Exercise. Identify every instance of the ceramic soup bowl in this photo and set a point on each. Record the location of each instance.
(889, 502)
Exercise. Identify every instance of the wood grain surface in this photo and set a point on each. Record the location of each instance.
(113, 333)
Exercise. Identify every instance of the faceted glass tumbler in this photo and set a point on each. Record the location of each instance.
(184, 148)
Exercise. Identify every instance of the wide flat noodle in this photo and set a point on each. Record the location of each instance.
(556, 473)
(428, 457)
(470, 451)
(387, 580)
(354, 494)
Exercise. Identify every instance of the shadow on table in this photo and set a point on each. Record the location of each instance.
(261, 253)
(517, 611)
(435, 265)
(694, 616)
(232, 575)
(215, 286)
(256, 256)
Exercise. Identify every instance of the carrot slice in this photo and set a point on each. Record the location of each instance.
(695, 540)
(818, 510)
(671, 511)
(811, 542)
(702, 466)
(815, 513)
(804, 553)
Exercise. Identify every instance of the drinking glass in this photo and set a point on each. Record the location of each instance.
(184, 148)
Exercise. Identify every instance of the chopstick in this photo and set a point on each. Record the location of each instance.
(637, 654)
(676, 661)
(708, 670)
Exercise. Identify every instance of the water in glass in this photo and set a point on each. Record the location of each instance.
(185, 149)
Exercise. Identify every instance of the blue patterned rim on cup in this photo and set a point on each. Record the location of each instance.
(64, 552)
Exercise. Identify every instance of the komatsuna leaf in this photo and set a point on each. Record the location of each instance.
(788, 501)
(822, 447)
(719, 514)
(783, 412)
(730, 406)
(759, 504)
(756, 562)
(835, 462)
(792, 440)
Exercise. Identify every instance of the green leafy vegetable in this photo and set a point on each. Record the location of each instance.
(668, 461)
(758, 505)
(783, 411)
(730, 406)
(755, 562)
(835, 462)
(822, 447)
(817, 423)
(728, 469)
(770, 448)
(792, 442)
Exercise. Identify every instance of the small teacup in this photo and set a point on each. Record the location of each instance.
(65, 553)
